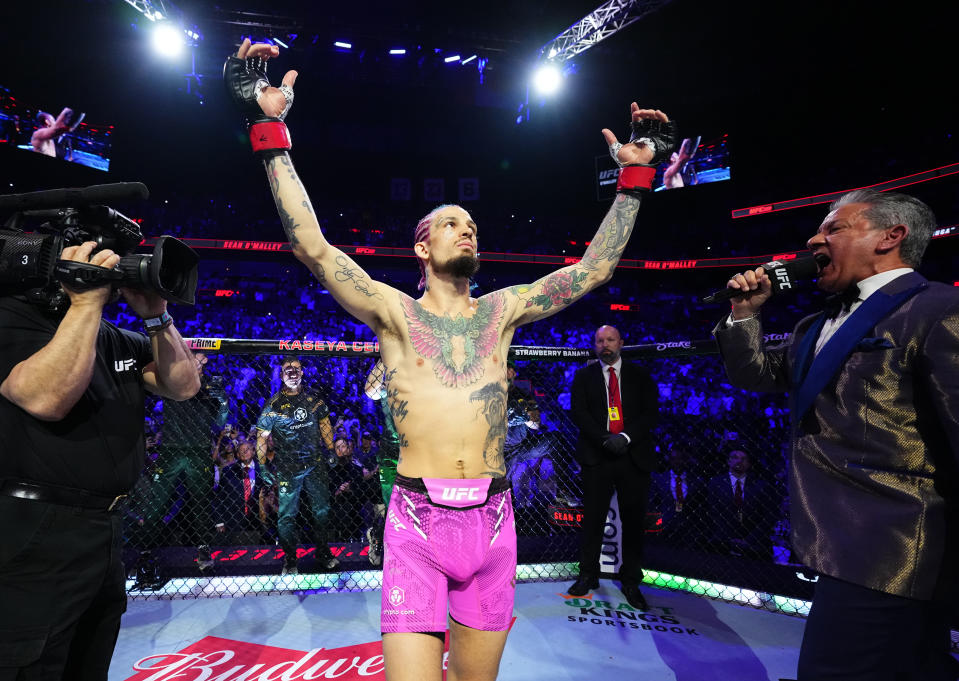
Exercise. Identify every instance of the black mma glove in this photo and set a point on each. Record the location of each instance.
(660, 137)
(616, 444)
(245, 81)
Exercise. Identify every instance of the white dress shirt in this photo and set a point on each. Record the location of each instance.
(867, 287)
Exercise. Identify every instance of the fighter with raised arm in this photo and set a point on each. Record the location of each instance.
(449, 538)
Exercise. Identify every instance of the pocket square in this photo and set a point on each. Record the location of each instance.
(869, 344)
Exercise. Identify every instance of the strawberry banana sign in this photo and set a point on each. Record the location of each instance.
(220, 659)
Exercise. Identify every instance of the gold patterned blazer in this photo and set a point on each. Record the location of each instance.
(874, 472)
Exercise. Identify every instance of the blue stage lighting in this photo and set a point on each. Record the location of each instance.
(344, 45)
(468, 59)
(455, 57)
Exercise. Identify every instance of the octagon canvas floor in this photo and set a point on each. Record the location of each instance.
(336, 635)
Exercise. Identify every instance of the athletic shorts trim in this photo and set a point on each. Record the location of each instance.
(445, 559)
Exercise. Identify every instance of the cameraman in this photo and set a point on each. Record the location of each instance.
(71, 422)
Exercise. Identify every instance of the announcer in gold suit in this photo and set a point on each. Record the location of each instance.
(873, 385)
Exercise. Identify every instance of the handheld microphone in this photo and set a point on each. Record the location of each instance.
(783, 276)
(73, 198)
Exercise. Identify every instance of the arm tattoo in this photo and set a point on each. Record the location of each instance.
(558, 288)
(608, 245)
(350, 272)
(492, 400)
(319, 272)
(457, 347)
(273, 174)
(571, 283)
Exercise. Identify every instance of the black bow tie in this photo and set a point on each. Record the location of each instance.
(840, 302)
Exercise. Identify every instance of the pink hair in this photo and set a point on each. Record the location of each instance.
(422, 233)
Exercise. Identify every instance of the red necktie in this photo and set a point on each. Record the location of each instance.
(738, 494)
(615, 425)
(247, 491)
(679, 490)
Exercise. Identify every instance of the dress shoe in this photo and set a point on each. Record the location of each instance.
(635, 597)
(583, 586)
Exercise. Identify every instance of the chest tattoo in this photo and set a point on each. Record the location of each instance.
(456, 347)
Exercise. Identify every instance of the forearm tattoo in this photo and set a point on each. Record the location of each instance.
(608, 245)
(456, 347)
(492, 400)
(571, 283)
(275, 166)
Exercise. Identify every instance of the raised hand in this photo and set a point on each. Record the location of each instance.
(245, 77)
(652, 138)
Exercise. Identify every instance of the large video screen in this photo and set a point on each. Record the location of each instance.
(61, 132)
(694, 162)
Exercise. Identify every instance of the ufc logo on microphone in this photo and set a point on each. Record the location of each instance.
(460, 493)
(782, 278)
(123, 364)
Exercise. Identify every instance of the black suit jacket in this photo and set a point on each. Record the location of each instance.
(754, 524)
(229, 496)
(640, 398)
(662, 498)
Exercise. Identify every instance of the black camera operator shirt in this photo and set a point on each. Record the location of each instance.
(98, 446)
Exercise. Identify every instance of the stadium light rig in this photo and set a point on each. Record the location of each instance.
(603, 22)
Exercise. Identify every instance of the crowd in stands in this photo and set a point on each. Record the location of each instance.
(701, 414)
(699, 411)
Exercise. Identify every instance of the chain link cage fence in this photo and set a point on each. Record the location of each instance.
(206, 518)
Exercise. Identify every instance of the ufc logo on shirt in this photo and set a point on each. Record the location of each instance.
(124, 364)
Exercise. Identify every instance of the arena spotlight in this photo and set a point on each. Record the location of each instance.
(547, 79)
(281, 43)
(343, 45)
(455, 57)
(167, 40)
(468, 60)
(398, 51)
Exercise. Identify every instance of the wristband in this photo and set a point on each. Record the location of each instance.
(636, 179)
(154, 324)
(270, 136)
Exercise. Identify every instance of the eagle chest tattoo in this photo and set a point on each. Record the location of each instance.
(456, 347)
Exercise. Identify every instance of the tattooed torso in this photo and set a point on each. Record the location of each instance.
(446, 388)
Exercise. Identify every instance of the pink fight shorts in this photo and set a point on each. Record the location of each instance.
(449, 541)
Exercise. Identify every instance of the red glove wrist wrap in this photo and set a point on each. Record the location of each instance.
(636, 178)
(270, 136)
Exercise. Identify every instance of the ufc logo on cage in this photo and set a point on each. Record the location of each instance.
(122, 365)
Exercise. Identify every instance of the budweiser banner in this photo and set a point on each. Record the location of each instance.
(221, 659)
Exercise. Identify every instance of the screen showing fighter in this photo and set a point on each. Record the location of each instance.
(62, 132)
(695, 161)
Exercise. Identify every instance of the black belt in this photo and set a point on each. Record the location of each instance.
(64, 496)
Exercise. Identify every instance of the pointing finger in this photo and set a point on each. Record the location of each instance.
(290, 78)
(610, 137)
